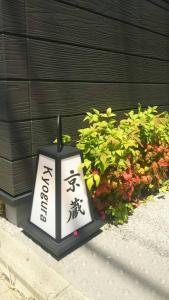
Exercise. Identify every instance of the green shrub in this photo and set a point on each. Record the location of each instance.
(124, 162)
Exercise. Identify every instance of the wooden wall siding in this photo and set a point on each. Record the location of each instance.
(15, 57)
(1, 25)
(2, 62)
(161, 4)
(14, 101)
(50, 98)
(144, 13)
(23, 139)
(16, 177)
(53, 61)
(60, 22)
(44, 131)
(15, 140)
(69, 56)
(12, 16)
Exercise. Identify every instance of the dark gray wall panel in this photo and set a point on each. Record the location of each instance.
(23, 175)
(15, 140)
(14, 100)
(44, 131)
(15, 57)
(67, 98)
(16, 177)
(71, 79)
(63, 62)
(49, 99)
(121, 114)
(163, 108)
(141, 13)
(2, 57)
(160, 4)
(60, 22)
(13, 16)
(1, 26)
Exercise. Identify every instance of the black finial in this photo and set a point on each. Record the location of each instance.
(59, 133)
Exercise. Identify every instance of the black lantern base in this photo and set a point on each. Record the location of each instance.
(61, 249)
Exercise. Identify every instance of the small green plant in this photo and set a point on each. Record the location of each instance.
(124, 162)
(65, 139)
(119, 212)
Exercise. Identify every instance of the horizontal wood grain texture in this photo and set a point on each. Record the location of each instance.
(2, 58)
(1, 24)
(61, 22)
(160, 3)
(122, 114)
(53, 61)
(49, 98)
(44, 131)
(141, 13)
(66, 75)
(15, 57)
(14, 100)
(12, 15)
(15, 140)
(67, 98)
(16, 177)
(22, 139)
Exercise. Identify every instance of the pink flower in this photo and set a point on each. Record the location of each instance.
(75, 233)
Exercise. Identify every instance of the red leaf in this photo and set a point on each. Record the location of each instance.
(127, 176)
(137, 179)
(163, 163)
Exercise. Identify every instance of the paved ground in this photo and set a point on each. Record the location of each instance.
(8, 290)
(127, 262)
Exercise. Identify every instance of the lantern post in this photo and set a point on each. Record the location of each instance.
(62, 216)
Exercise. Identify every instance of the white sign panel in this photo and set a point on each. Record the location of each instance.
(43, 212)
(75, 211)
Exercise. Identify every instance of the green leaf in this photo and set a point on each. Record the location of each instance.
(103, 158)
(163, 189)
(87, 163)
(65, 139)
(96, 111)
(109, 111)
(85, 119)
(97, 179)
(95, 118)
(150, 198)
(121, 163)
(90, 183)
(120, 152)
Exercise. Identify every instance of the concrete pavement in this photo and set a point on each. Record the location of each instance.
(125, 262)
(8, 291)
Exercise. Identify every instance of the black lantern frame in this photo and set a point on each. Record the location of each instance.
(60, 246)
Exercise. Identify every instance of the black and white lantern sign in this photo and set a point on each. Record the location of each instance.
(61, 204)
